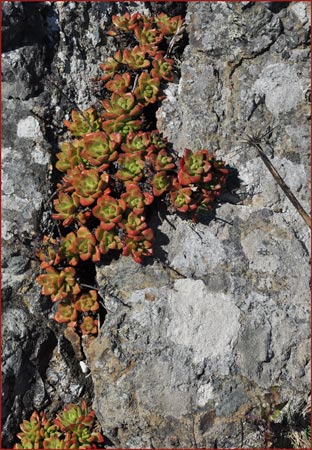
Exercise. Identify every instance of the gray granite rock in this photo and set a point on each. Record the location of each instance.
(193, 337)
(189, 346)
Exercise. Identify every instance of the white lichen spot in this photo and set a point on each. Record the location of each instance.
(280, 85)
(205, 322)
(204, 394)
(39, 156)
(29, 128)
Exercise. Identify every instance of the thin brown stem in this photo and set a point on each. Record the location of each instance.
(281, 183)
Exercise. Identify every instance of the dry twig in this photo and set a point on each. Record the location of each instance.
(255, 142)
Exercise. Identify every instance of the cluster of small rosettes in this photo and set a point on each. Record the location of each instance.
(114, 169)
(73, 428)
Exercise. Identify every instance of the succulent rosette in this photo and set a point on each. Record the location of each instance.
(107, 240)
(58, 284)
(148, 35)
(109, 211)
(121, 125)
(135, 199)
(89, 326)
(34, 430)
(162, 67)
(100, 149)
(66, 313)
(130, 167)
(109, 68)
(147, 88)
(65, 248)
(73, 416)
(120, 83)
(83, 437)
(157, 142)
(134, 224)
(161, 183)
(139, 246)
(66, 206)
(208, 196)
(89, 185)
(126, 22)
(181, 198)
(83, 123)
(72, 428)
(163, 161)
(54, 442)
(87, 302)
(123, 104)
(84, 246)
(168, 25)
(69, 156)
(136, 142)
(136, 58)
(195, 167)
(48, 253)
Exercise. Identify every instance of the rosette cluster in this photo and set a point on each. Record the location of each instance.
(115, 167)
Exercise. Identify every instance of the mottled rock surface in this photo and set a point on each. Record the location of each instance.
(192, 337)
(185, 351)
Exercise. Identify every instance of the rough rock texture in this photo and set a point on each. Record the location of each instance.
(222, 313)
(27, 340)
(184, 353)
(50, 52)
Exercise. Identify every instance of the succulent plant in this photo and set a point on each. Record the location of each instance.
(48, 253)
(54, 442)
(89, 185)
(134, 224)
(107, 240)
(74, 415)
(181, 198)
(89, 326)
(123, 105)
(73, 428)
(162, 68)
(109, 68)
(135, 199)
(157, 141)
(139, 246)
(148, 35)
(147, 88)
(136, 142)
(83, 123)
(34, 431)
(161, 183)
(58, 284)
(66, 205)
(101, 149)
(69, 156)
(168, 25)
(136, 58)
(87, 302)
(120, 83)
(65, 251)
(126, 22)
(83, 437)
(66, 313)
(130, 167)
(195, 167)
(121, 125)
(109, 211)
(164, 161)
(84, 246)
(113, 169)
